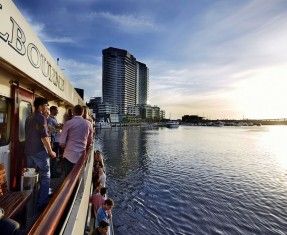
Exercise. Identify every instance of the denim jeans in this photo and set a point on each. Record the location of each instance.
(41, 162)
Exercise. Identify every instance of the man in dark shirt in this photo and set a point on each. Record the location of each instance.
(38, 148)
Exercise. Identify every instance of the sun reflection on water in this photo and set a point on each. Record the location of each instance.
(275, 143)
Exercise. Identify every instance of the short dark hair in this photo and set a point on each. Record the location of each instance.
(78, 110)
(103, 191)
(103, 224)
(39, 101)
(109, 202)
(53, 108)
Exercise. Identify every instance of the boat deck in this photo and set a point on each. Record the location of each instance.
(30, 214)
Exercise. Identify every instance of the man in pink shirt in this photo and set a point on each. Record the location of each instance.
(75, 137)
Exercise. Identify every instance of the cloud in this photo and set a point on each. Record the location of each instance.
(193, 78)
(247, 35)
(199, 54)
(228, 44)
(40, 30)
(126, 22)
(59, 39)
(84, 75)
(222, 92)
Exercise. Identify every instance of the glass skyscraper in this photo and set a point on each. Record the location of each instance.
(142, 84)
(125, 81)
(119, 79)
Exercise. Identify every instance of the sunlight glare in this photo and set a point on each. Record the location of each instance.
(275, 143)
(262, 93)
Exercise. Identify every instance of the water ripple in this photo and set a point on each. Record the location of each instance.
(196, 180)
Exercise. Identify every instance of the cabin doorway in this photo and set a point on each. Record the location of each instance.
(22, 108)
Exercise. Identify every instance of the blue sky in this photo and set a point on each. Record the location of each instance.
(219, 59)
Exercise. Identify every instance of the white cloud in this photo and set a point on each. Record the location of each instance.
(253, 93)
(84, 75)
(207, 55)
(126, 22)
(229, 46)
(58, 39)
(246, 35)
(39, 29)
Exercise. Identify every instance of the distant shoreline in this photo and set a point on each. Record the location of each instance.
(237, 122)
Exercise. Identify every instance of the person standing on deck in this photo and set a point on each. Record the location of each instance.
(54, 128)
(98, 199)
(104, 213)
(75, 137)
(38, 148)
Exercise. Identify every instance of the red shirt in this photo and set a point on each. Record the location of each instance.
(97, 200)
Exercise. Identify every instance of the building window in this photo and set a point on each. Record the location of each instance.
(25, 110)
(5, 120)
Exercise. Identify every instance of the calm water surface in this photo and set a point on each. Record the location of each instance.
(197, 180)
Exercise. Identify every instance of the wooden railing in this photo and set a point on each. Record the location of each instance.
(50, 218)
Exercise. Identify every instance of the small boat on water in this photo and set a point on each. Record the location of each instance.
(172, 124)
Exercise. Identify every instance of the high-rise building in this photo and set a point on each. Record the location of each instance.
(119, 79)
(94, 103)
(142, 84)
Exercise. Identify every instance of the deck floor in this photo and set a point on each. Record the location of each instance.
(31, 214)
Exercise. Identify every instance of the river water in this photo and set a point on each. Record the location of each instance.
(197, 180)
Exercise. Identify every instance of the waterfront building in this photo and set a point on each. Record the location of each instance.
(93, 104)
(106, 111)
(134, 110)
(146, 111)
(162, 114)
(119, 79)
(151, 112)
(103, 111)
(155, 115)
(192, 119)
(142, 84)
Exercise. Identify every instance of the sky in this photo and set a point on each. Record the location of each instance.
(213, 58)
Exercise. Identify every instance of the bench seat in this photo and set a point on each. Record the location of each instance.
(14, 202)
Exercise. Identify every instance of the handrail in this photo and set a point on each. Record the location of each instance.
(49, 219)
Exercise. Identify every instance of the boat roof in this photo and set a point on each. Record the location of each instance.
(23, 52)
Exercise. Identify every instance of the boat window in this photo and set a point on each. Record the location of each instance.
(25, 110)
(5, 120)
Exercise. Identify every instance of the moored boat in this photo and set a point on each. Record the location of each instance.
(103, 125)
(172, 124)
